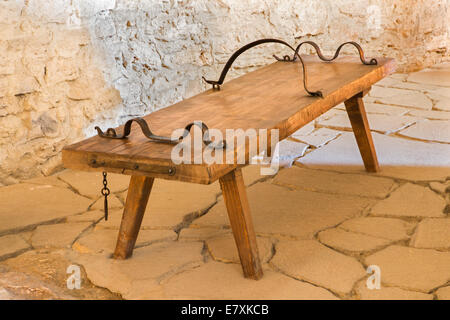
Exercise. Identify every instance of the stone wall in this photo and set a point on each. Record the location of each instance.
(51, 86)
(66, 66)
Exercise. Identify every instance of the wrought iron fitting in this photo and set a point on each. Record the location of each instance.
(111, 133)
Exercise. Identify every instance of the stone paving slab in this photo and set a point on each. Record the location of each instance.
(113, 203)
(25, 205)
(442, 104)
(171, 201)
(443, 293)
(140, 277)
(89, 184)
(432, 233)
(57, 235)
(287, 151)
(440, 187)
(401, 97)
(389, 293)
(12, 245)
(400, 158)
(335, 183)
(432, 130)
(434, 77)
(193, 233)
(196, 284)
(379, 108)
(411, 200)
(223, 249)
(384, 228)
(432, 115)
(89, 216)
(310, 261)
(318, 138)
(350, 242)
(377, 122)
(36, 273)
(412, 269)
(104, 240)
(281, 212)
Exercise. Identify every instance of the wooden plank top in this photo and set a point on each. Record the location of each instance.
(272, 97)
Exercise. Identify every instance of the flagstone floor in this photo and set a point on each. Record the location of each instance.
(320, 223)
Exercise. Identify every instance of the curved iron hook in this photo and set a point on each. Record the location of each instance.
(372, 61)
(216, 84)
(111, 133)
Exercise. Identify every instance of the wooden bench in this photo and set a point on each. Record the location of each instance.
(271, 97)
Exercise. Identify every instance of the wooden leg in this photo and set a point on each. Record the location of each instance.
(137, 197)
(360, 125)
(235, 197)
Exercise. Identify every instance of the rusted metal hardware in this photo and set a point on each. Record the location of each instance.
(96, 161)
(286, 58)
(111, 133)
(105, 193)
(216, 84)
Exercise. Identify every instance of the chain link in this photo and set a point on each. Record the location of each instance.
(105, 192)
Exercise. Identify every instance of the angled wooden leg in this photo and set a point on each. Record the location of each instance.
(137, 197)
(235, 197)
(360, 125)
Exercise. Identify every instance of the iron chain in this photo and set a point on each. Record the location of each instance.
(105, 192)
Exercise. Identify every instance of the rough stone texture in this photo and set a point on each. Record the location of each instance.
(223, 249)
(89, 216)
(310, 261)
(432, 115)
(411, 200)
(279, 211)
(25, 205)
(89, 184)
(139, 278)
(57, 235)
(433, 130)
(196, 284)
(171, 201)
(412, 269)
(377, 122)
(350, 242)
(336, 183)
(443, 293)
(20, 286)
(432, 233)
(400, 158)
(113, 203)
(384, 228)
(434, 77)
(288, 151)
(252, 174)
(48, 70)
(405, 98)
(317, 138)
(12, 245)
(193, 233)
(40, 274)
(104, 240)
(440, 187)
(379, 108)
(306, 129)
(52, 180)
(389, 293)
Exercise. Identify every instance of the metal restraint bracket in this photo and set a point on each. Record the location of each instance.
(296, 56)
(110, 133)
